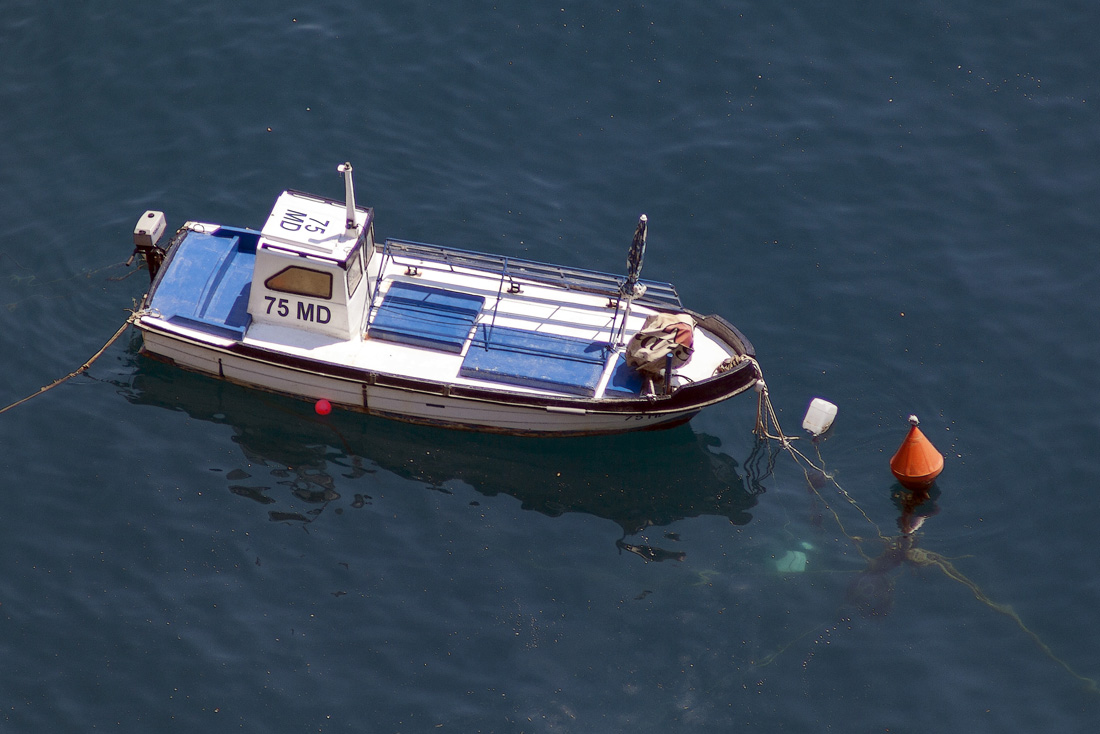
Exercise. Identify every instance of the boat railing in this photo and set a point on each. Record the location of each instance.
(657, 294)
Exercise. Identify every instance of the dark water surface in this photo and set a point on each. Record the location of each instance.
(898, 205)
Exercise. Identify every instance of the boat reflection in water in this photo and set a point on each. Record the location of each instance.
(637, 480)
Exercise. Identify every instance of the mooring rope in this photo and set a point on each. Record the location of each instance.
(767, 427)
(79, 370)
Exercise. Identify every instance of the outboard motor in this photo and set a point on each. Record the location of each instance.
(150, 228)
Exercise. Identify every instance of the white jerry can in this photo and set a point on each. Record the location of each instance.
(819, 416)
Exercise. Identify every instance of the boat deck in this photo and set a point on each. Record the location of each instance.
(440, 314)
(207, 286)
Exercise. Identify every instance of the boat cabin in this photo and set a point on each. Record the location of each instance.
(310, 266)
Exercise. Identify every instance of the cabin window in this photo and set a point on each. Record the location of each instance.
(368, 249)
(301, 282)
(355, 271)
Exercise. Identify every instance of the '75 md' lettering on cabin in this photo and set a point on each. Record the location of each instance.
(314, 312)
(294, 221)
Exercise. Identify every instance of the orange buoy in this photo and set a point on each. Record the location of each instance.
(917, 462)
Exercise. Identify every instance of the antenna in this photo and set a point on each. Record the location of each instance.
(349, 199)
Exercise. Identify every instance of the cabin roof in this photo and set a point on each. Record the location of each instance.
(311, 225)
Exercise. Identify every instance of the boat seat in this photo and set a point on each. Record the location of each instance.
(535, 359)
(625, 381)
(424, 316)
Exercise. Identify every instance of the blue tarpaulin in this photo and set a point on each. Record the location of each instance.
(426, 317)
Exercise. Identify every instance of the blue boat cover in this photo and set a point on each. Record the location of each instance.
(207, 283)
(426, 317)
(535, 359)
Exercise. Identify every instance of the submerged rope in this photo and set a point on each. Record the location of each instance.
(921, 557)
(768, 428)
(33, 279)
(767, 421)
(79, 370)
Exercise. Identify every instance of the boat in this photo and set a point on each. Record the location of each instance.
(312, 306)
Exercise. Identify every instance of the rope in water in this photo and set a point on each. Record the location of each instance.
(767, 427)
(77, 371)
(766, 421)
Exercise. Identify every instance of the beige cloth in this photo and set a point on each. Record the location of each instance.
(662, 334)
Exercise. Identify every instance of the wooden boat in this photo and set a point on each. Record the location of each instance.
(311, 306)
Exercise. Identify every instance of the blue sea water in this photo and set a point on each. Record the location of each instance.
(896, 203)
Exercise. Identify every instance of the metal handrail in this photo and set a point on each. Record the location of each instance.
(659, 294)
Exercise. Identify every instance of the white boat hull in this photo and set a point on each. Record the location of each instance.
(512, 413)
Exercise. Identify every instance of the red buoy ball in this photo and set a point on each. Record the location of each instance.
(323, 407)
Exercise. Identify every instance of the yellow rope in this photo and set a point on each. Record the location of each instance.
(75, 372)
(921, 557)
